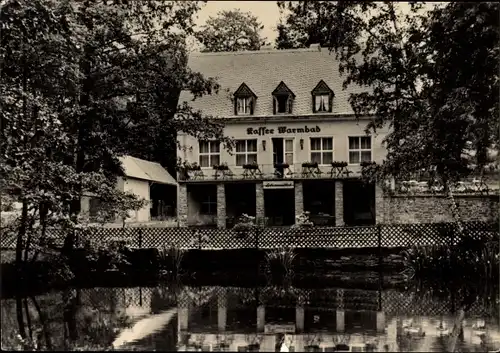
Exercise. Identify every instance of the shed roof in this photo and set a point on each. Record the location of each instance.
(141, 169)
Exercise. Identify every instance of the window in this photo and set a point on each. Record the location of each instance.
(246, 152)
(322, 97)
(282, 99)
(209, 205)
(322, 150)
(209, 153)
(360, 149)
(243, 105)
(322, 103)
(282, 104)
(244, 100)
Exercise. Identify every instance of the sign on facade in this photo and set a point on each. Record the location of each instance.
(278, 185)
(282, 130)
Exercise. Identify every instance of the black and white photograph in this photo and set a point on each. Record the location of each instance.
(249, 176)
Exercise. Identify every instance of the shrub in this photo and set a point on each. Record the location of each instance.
(280, 261)
(302, 220)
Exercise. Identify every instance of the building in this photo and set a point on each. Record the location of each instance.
(290, 117)
(147, 180)
(298, 147)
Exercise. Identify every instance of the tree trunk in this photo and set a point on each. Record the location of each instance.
(20, 236)
(43, 322)
(20, 318)
(458, 324)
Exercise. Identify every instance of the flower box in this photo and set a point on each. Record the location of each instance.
(221, 167)
(193, 168)
(310, 165)
(282, 165)
(251, 166)
(339, 164)
(367, 164)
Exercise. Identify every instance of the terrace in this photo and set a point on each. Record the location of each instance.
(296, 171)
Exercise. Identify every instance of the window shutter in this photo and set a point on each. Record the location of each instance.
(290, 102)
(251, 105)
(235, 106)
(330, 101)
(274, 105)
(313, 104)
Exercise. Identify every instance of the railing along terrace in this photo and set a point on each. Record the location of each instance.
(303, 170)
(471, 186)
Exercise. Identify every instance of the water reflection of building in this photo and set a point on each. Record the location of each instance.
(224, 325)
(315, 320)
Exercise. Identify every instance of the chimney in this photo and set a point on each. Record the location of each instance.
(315, 46)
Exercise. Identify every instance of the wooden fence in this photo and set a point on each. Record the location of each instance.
(393, 235)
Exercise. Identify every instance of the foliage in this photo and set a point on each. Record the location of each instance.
(170, 260)
(83, 83)
(198, 239)
(107, 256)
(302, 220)
(304, 23)
(432, 78)
(471, 259)
(244, 226)
(280, 261)
(231, 30)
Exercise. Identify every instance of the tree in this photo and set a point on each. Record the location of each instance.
(433, 80)
(304, 23)
(232, 30)
(67, 67)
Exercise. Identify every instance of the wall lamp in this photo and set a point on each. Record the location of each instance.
(301, 144)
(263, 145)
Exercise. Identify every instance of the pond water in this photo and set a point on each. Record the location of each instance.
(169, 318)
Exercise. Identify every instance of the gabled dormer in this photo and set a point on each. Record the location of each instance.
(282, 99)
(322, 98)
(244, 100)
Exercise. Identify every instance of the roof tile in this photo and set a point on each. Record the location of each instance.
(300, 69)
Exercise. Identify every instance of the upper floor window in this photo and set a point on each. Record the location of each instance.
(360, 149)
(209, 153)
(246, 152)
(244, 100)
(282, 99)
(322, 150)
(322, 97)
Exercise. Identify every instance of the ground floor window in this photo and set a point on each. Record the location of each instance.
(208, 205)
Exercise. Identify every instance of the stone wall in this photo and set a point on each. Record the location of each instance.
(299, 198)
(221, 206)
(432, 209)
(339, 203)
(259, 201)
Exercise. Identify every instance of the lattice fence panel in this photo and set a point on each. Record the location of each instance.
(320, 237)
(403, 235)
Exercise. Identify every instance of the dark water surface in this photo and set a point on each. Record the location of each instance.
(169, 318)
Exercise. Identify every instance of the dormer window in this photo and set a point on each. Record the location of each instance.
(322, 97)
(282, 99)
(244, 100)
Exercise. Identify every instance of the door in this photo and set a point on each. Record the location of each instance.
(288, 153)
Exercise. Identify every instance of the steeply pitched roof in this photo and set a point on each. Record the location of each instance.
(146, 170)
(300, 69)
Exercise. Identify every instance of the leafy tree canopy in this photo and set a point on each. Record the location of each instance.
(82, 83)
(433, 76)
(231, 30)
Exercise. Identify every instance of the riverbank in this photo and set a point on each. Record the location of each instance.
(219, 267)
